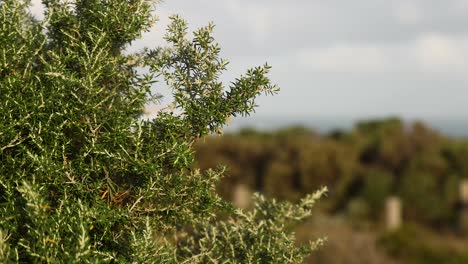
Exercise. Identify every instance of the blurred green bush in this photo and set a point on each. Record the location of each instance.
(361, 167)
(412, 244)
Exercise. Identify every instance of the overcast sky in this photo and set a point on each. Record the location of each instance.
(356, 59)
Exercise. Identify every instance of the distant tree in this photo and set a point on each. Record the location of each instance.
(83, 179)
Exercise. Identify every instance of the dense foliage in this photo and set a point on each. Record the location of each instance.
(362, 167)
(84, 180)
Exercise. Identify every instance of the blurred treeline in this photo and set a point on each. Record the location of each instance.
(361, 167)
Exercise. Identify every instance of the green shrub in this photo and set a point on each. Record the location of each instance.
(411, 244)
(377, 187)
(83, 179)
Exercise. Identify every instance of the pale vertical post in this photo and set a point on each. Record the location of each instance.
(463, 189)
(463, 192)
(393, 213)
(242, 196)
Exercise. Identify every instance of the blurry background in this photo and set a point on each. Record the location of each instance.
(341, 61)
(373, 105)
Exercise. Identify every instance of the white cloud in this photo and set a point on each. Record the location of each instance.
(256, 17)
(37, 9)
(441, 52)
(344, 58)
(408, 13)
(430, 52)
